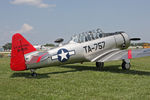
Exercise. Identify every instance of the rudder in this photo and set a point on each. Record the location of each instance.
(20, 47)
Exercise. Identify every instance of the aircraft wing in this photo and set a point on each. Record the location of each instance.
(122, 54)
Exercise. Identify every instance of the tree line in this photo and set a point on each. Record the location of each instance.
(139, 44)
(8, 46)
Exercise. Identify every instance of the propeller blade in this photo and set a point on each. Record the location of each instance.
(135, 39)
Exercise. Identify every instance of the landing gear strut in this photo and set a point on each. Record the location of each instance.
(33, 73)
(126, 64)
(99, 65)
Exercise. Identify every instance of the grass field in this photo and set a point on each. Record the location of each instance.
(77, 82)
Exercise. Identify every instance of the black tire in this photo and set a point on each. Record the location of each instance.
(100, 65)
(126, 66)
(34, 74)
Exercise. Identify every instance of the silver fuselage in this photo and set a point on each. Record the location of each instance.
(79, 52)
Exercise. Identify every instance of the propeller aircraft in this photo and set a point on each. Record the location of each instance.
(93, 46)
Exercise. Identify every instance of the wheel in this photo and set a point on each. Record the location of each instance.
(126, 66)
(99, 65)
(34, 74)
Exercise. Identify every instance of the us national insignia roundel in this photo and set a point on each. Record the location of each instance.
(63, 55)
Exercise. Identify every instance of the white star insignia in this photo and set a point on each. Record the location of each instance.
(63, 55)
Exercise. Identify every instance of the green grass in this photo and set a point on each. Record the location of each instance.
(77, 82)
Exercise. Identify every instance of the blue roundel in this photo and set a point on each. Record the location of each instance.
(63, 55)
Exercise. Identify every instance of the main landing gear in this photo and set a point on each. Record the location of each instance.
(126, 64)
(99, 65)
(33, 73)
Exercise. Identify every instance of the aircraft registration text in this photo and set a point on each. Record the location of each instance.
(94, 47)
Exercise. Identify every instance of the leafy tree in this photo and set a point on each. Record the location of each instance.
(7, 46)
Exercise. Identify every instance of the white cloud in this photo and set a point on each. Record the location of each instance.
(38, 3)
(25, 28)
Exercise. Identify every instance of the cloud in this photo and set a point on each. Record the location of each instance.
(37, 3)
(25, 28)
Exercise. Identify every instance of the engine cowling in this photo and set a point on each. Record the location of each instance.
(122, 40)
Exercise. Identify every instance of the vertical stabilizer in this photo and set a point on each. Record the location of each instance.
(20, 47)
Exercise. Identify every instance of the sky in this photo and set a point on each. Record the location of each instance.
(43, 21)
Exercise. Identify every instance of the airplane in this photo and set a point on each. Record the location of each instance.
(93, 46)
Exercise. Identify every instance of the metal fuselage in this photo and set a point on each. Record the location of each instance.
(77, 52)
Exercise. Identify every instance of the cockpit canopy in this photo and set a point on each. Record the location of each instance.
(91, 35)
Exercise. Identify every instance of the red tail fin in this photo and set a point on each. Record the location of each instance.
(20, 46)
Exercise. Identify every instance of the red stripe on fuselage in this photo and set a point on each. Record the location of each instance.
(38, 60)
(129, 54)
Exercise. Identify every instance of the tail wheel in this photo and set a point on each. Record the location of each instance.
(99, 65)
(125, 65)
(33, 73)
